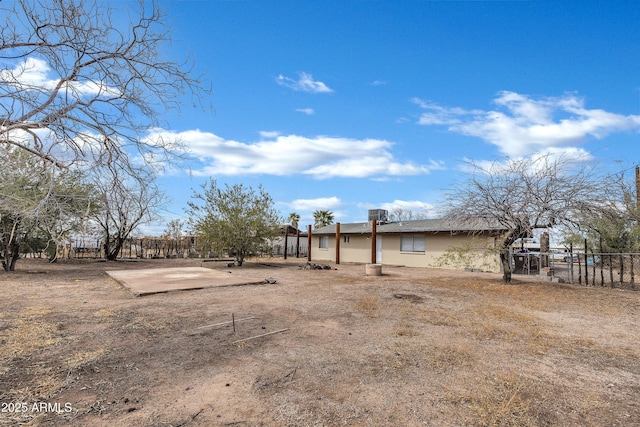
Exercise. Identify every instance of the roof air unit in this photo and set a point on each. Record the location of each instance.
(380, 215)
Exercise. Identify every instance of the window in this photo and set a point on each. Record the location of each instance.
(347, 239)
(412, 244)
(324, 242)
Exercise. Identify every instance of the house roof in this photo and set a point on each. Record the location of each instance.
(414, 226)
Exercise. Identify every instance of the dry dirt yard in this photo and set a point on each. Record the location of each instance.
(414, 347)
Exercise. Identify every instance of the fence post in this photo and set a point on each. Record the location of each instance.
(633, 281)
(586, 264)
(621, 270)
(579, 269)
(570, 262)
(611, 269)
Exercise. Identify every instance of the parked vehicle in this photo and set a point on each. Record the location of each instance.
(591, 259)
(567, 256)
(558, 255)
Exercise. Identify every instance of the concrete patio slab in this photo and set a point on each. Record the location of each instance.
(158, 280)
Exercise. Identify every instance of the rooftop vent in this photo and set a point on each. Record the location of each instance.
(380, 215)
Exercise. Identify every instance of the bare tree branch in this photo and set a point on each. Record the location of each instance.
(70, 68)
(525, 194)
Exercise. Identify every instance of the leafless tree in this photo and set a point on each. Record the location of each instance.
(126, 201)
(525, 194)
(400, 214)
(74, 77)
(616, 226)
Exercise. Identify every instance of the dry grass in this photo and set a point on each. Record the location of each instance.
(29, 332)
(79, 359)
(438, 317)
(369, 306)
(444, 357)
(508, 399)
(404, 329)
(469, 351)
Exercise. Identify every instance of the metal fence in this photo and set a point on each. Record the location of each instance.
(615, 270)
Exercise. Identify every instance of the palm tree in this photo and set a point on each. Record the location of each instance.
(294, 217)
(322, 218)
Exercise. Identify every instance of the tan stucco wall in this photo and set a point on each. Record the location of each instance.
(318, 254)
(436, 245)
(358, 250)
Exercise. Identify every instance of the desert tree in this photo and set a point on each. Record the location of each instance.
(127, 198)
(235, 220)
(73, 74)
(40, 205)
(174, 230)
(616, 227)
(525, 194)
(322, 218)
(82, 84)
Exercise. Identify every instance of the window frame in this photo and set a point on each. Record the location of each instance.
(419, 248)
(323, 243)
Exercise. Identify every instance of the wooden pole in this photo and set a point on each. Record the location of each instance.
(337, 243)
(309, 243)
(374, 224)
(297, 242)
(286, 234)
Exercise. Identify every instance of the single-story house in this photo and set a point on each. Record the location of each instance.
(414, 243)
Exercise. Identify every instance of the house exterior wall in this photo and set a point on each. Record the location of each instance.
(471, 251)
(358, 249)
(323, 254)
(470, 255)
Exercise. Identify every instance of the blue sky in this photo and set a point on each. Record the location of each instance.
(353, 105)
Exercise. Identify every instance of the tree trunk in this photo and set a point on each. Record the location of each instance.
(11, 255)
(112, 255)
(517, 233)
(506, 266)
(14, 257)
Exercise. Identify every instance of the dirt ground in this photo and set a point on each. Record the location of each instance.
(414, 347)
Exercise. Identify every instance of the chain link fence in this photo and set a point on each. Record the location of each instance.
(615, 270)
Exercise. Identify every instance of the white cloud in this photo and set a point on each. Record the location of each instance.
(307, 111)
(523, 125)
(411, 205)
(322, 203)
(269, 134)
(282, 155)
(33, 74)
(305, 83)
